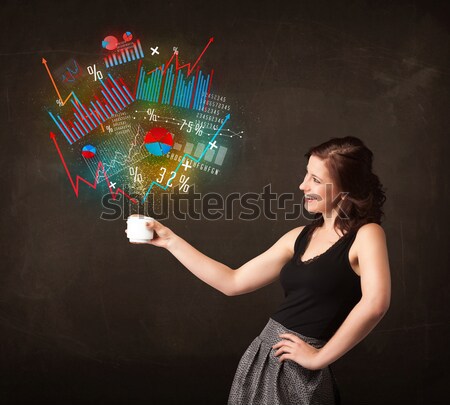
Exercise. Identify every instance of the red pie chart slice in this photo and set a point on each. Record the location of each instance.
(158, 141)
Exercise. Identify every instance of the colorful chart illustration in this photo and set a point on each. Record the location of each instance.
(89, 151)
(175, 133)
(158, 141)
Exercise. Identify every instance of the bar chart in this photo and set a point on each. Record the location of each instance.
(174, 88)
(128, 53)
(212, 156)
(116, 97)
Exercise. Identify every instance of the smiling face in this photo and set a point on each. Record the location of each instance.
(319, 189)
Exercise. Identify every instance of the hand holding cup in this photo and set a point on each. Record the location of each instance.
(146, 230)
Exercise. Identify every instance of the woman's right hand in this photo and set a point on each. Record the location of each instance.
(162, 236)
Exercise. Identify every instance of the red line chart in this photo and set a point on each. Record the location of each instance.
(76, 183)
(190, 68)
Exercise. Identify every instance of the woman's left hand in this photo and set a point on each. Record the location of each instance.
(295, 349)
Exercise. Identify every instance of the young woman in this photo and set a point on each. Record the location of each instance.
(334, 271)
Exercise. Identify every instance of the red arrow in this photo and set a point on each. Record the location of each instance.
(178, 67)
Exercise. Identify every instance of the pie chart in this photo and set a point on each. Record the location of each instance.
(158, 141)
(88, 151)
(110, 43)
(128, 36)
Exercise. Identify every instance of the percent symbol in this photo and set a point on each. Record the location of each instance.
(137, 176)
(92, 70)
(151, 114)
(198, 129)
(108, 127)
(183, 181)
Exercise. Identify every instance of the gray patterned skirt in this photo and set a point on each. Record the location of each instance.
(261, 379)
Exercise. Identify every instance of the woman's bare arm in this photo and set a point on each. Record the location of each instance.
(376, 295)
(256, 273)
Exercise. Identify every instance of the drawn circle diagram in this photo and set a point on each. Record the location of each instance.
(128, 36)
(110, 43)
(89, 151)
(158, 141)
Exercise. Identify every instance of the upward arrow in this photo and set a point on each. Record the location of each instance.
(190, 68)
(154, 183)
(44, 62)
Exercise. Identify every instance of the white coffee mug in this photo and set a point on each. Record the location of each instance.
(137, 231)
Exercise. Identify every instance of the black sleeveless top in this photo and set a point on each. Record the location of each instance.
(320, 292)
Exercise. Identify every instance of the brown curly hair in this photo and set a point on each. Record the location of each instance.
(349, 163)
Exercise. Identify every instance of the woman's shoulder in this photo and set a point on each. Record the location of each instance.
(370, 234)
(293, 234)
(370, 230)
(289, 239)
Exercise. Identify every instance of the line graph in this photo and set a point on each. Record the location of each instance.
(44, 62)
(76, 184)
(117, 153)
(212, 142)
(177, 66)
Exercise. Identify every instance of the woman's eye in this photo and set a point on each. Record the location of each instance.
(316, 181)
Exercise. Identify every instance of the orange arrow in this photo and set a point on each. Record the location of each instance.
(44, 62)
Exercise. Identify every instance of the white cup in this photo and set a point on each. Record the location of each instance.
(137, 231)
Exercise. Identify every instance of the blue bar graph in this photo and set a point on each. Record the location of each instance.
(186, 91)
